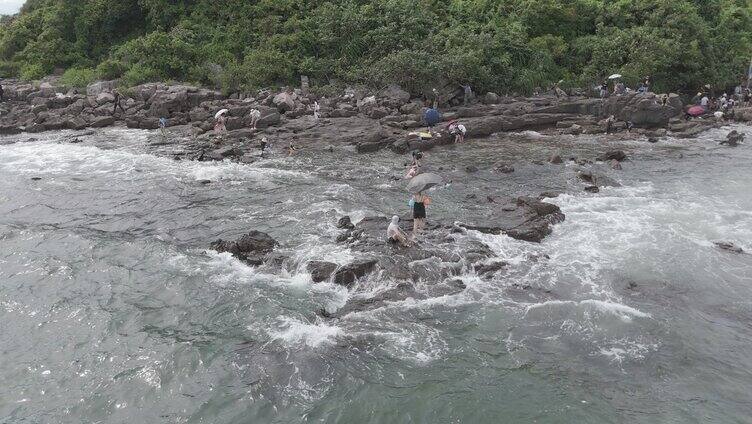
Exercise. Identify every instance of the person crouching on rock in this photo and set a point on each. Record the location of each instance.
(459, 132)
(419, 203)
(291, 149)
(414, 165)
(395, 234)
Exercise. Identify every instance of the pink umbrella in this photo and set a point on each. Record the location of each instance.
(696, 111)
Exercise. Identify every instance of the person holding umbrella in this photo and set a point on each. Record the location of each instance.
(420, 201)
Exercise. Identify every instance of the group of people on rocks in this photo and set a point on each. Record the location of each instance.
(620, 88)
(418, 203)
(725, 103)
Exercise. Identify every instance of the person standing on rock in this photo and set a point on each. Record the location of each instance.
(117, 103)
(291, 149)
(610, 123)
(316, 109)
(419, 202)
(604, 90)
(435, 98)
(2, 93)
(255, 116)
(263, 145)
(467, 94)
(163, 126)
(219, 124)
(395, 234)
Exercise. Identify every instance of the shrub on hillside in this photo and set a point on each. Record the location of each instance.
(78, 77)
(33, 71)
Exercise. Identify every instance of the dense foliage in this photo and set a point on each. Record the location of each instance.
(497, 45)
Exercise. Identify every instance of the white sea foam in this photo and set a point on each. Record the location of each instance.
(294, 332)
(49, 158)
(624, 312)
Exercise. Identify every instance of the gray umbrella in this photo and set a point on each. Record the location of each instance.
(422, 182)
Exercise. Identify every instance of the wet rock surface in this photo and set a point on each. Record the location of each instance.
(253, 248)
(363, 119)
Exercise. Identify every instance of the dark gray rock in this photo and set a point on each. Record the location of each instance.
(728, 246)
(321, 270)
(592, 189)
(345, 223)
(348, 274)
(251, 248)
(618, 155)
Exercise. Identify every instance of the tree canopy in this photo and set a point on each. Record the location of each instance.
(495, 45)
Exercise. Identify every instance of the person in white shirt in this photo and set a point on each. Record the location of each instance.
(255, 115)
(395, 233)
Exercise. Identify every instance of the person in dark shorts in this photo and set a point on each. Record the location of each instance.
(263, 145)
(420, 201)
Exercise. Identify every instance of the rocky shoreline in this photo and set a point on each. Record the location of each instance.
(365, 120)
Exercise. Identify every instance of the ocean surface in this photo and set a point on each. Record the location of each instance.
(112, 310)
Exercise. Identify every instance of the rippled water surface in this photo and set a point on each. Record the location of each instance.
(112, 310)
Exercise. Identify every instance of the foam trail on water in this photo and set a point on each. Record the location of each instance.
(291, 331)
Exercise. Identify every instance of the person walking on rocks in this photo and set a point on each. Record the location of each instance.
(255, 116)
(117, 103)
(163, 126)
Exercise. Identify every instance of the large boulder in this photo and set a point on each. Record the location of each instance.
(348, 274)
(491, 98)
(284, 101)
(104, 98)
(96, 88)
(642, 109)
(526, 218)
(321, 270)
(253, 248)
(164, 103)
(102, 121)
(393, 96)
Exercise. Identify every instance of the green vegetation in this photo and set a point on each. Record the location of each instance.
(495, 45)
(79, 77)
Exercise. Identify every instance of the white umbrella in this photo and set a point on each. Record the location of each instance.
(423, 182)
(220, 113)
(614, 76)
